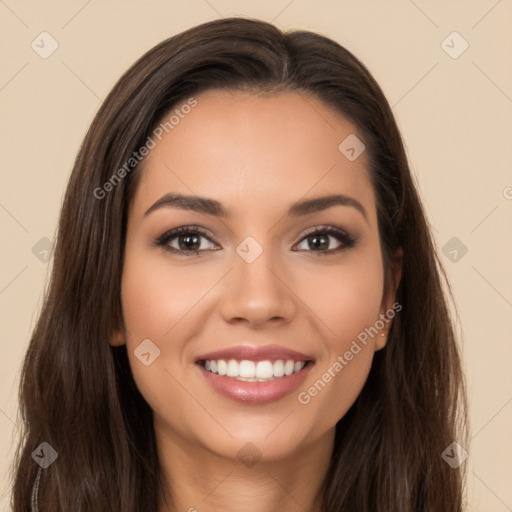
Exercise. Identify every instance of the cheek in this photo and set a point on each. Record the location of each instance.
(156, 296)
(346, 299)
(347, 303)
(155, 299)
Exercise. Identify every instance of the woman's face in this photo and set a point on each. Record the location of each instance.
(263, 296)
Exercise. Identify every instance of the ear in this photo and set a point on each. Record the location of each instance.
(388, 299)
(118, 338)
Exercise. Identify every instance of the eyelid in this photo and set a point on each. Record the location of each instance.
(324, 228)
(185, 228)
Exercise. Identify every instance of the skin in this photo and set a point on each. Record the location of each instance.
(256, 155)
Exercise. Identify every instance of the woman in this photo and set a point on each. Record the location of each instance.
(246, 308)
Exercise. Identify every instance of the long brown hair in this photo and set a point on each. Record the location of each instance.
(77, 392)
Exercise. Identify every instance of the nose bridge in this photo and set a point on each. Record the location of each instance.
(255, 264)
(256, 291)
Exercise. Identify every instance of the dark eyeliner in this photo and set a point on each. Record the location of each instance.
(163, 239)
(347, 240)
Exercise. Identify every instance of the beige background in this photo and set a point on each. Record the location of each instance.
(455, 115)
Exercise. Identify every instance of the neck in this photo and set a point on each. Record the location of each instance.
(198, 480)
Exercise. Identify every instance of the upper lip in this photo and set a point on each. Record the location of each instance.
(252, 353)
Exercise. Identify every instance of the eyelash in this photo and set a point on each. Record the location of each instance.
(347, 240)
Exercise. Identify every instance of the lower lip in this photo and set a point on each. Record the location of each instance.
(255, 392)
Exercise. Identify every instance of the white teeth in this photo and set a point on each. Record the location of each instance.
(222, 367)
(279, 368)
(251, 371)
(247, 369)
(264, 370)
(298, 366)
(232, 368)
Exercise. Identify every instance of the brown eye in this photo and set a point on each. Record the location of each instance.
(189, 242)
(185, 240)
(321, 239)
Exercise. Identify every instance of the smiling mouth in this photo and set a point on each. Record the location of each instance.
(253, 371)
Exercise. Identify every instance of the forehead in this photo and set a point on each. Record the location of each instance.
(250, 150)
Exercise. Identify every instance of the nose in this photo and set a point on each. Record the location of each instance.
(257, 293)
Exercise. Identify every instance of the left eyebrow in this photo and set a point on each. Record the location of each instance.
(210, 206)
(322, 203)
